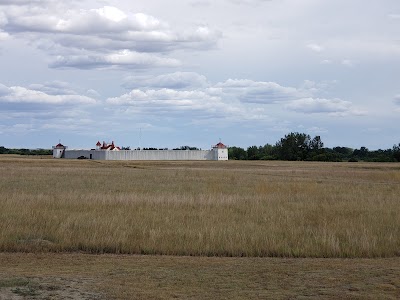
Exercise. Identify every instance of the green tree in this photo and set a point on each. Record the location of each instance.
(294, 146)
(253, 153)
(316, 144)
(267, 152)
(3, 150)
(396, 152)
(344, 152)
(361, 153)
(237, 153)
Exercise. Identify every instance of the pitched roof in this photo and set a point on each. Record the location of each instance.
(220, 146)
(108, 146)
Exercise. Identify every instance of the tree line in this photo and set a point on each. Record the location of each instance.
(294, 146)
(23, 151)
(297, 146)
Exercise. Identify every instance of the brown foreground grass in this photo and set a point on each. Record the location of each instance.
(83, 276)
(252, 209)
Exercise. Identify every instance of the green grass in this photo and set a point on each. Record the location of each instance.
(254, 209)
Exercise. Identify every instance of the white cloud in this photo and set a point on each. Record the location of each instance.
(116, 15)
(106, 20)
(348, 62)
(167, 98)
(311, 105)
(177, 80)
(233, 99)
(315, 47)
(249, 91)
(23, 2)
(18, 94)
(107, 36)
(93, 93)
(4, 36)
(53, 88)
(124, 58)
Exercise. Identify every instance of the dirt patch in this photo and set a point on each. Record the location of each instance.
(46, 288)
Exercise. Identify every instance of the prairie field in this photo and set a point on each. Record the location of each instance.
(78, 229)
(225, 209)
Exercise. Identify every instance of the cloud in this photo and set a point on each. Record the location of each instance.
(190, 100)
(106, 36)
(315, 47)
(177, 80)
(248, 91)
(191, 95)
(311, 105)
(53, 88)
(106, 20)
(93, 93)
(18, 94)
(23, 2)
(348, 62)
(4, 36)
(189, 107)
(124, 58)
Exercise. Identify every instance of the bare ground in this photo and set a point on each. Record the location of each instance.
(83, 276)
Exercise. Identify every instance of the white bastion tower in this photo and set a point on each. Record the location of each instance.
(220, 151)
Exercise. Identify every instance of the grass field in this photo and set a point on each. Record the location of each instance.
(82, 276)
(251, 209)
(225, 230)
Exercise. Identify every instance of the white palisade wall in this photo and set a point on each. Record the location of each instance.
(214, 154)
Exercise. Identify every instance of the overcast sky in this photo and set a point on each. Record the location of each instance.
(191, 72)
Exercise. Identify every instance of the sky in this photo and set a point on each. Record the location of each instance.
(170, 73)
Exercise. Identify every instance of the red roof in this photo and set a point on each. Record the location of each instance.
(220, 146)
(98, 143)
(108, 146)
(59, 145)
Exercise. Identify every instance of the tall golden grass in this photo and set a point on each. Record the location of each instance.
(200, 208)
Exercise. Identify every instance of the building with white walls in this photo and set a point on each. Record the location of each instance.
(59, 150)
(108, 151)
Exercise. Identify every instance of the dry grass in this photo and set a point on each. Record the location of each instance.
(200, 208)
(82, 276)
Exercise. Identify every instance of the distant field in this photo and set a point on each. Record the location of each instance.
(234, 208)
